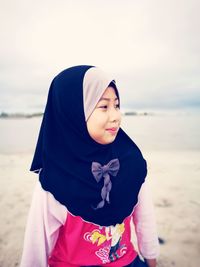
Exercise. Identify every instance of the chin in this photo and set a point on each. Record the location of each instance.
(109, 141)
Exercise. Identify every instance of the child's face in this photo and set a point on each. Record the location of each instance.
(105, 116)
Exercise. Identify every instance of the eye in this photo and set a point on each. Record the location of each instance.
(117, 106)
(103, 107)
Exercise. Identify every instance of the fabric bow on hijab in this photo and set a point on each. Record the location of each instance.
(98, 182)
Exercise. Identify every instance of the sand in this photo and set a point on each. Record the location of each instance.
(174, 178)
(169, 142)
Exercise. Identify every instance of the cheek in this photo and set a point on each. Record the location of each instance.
(120, 117)
(96, 125)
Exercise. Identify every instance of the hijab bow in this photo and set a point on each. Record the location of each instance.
(105, 171)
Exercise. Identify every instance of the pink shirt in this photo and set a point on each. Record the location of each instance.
(81, 243)
(53, 236)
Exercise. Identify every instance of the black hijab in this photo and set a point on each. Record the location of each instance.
(65, 152)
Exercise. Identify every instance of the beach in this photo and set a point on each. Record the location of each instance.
(169, 144)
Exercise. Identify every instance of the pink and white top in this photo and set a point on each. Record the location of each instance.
(56, 238)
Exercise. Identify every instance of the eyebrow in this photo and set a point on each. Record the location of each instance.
(108, 99)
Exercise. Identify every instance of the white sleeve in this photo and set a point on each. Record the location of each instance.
(46, 216)
(145, 224)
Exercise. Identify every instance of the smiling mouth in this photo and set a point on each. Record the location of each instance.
(112, 130)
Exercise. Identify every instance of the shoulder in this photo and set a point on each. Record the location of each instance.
(49, 204)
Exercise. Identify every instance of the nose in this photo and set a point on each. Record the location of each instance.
(115, 114)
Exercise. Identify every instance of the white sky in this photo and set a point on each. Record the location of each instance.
(152, 47)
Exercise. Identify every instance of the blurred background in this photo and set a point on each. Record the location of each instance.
(150, 47)
(152, 50)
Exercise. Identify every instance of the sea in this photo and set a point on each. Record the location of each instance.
(150, 129)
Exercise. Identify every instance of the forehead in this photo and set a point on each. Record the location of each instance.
(109, 93)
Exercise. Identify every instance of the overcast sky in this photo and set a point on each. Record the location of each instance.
(152, 47)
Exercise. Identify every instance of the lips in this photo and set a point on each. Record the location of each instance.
(112, 130)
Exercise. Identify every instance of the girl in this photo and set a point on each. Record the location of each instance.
(91, 181)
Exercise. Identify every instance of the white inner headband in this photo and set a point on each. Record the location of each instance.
(95, 83)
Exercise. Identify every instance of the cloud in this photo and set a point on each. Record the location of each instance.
(151, 47)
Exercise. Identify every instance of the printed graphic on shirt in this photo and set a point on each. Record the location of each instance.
(108, 242)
